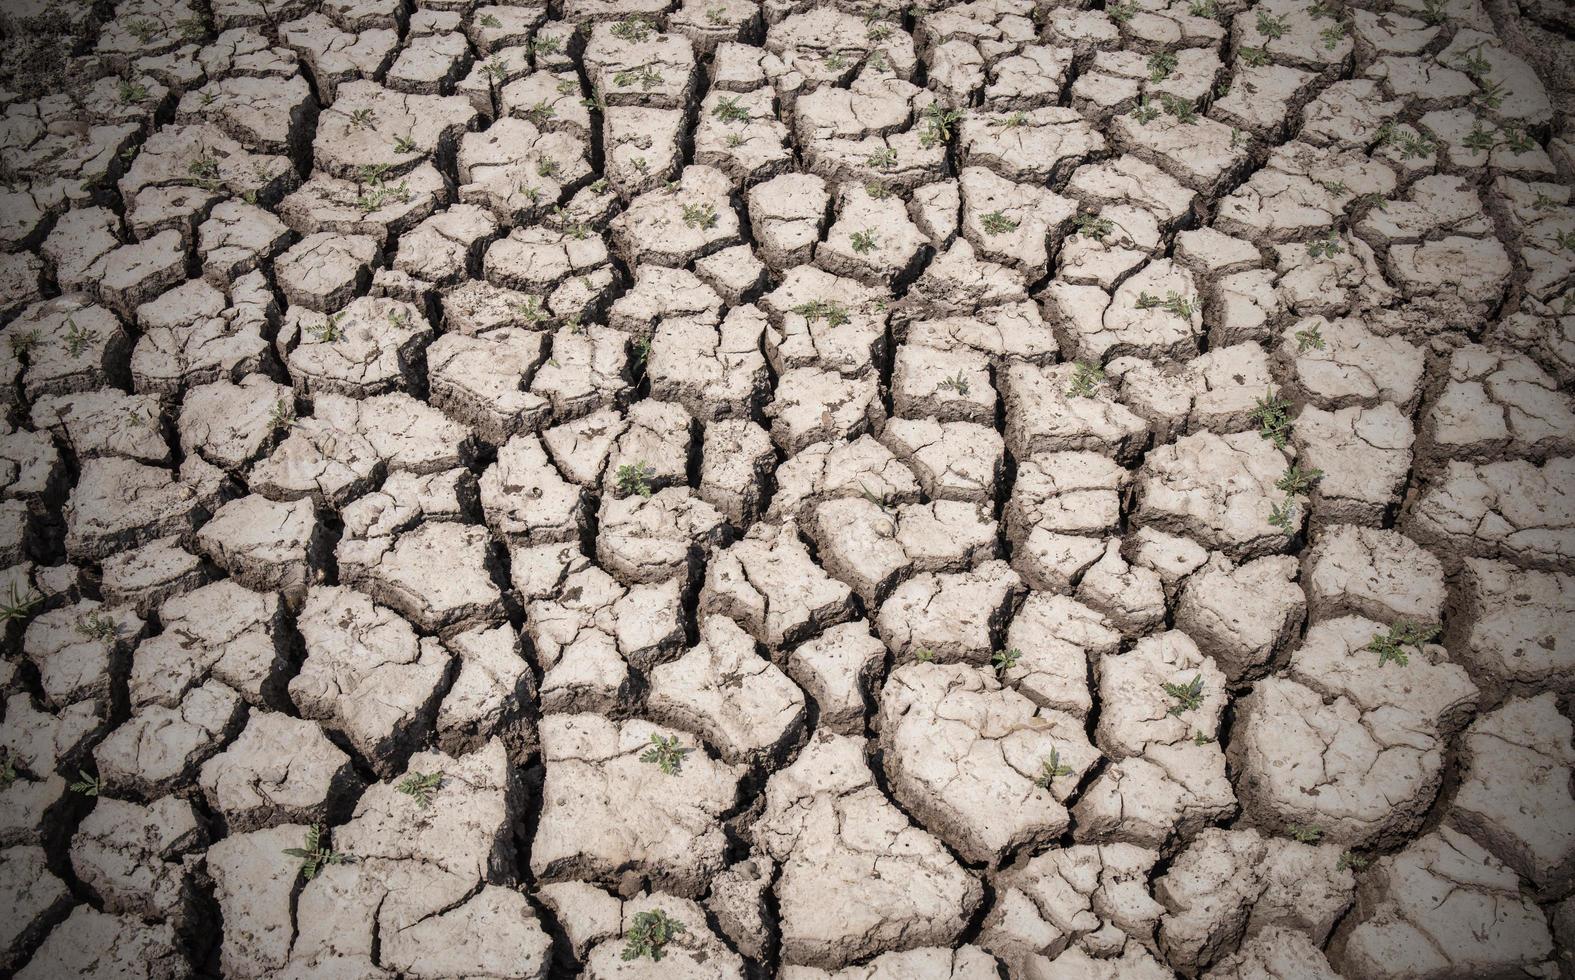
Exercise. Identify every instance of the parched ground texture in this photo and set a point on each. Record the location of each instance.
(731, 489)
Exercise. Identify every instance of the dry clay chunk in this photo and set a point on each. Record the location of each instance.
(828, 825)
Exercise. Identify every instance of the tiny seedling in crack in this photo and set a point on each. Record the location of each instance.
(1086, 379)
(1318, 10)
(1253, 57)
(1120, 12)
(702, 216)
(1480, 139)
(835, 61)
(1012, 121)
(877, 61)
(1005, 660)
(1283, 515)
(957, 383)
(1309, 338)
(634, 479)
(1331, 36)
(1160, 65)
(282, 416)
(404, 144)
(1270, 26)
(864, 242)
(641, 351)
(1184, 110)
(936, 124)
(1273, 417)
(539, 113)
(17, 606)
(547, 168)
(487, 20)
(87, 784)
(651, 933)
(1565, 240)
(877, 191)
(361, 117)
(716, 15)
(24, 341)
(421, 787)
(205, 171)
(996, 223)
(924, 655)
(1434, 11)
(1391, 645)
(1174, 303)
(529, 310)
(883, 159)
(495, 69)
(328, 331)
(633, 30)
(1297, 481)
(1188, 696)
(316, 855)
(77, 339)
(131, 92)
(1052, 769)
(97, 627)
(1145, 111)
(1304, 834)
(1352, 861)
(546, 44)
(834, 313)
(1203, 8)
(1326, 247)
(1093, 226)
(665, 754)
(728, 110)
(1198, 738)
(7, 770)
(142, 29)
(881, 500)
(1519, 141)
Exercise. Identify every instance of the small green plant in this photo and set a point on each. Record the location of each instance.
(316, 855)
(665, 754)
(1092, 226)
(1296, 481)
(716, 15)
(24, 341)
(1184, 111)
(1120, 12)
(546, 44)
(936, 123)
(1270, 26)
(404, 144)
(1005, 660)
(733, 140)
(538, 114)
(1160, 65)
(1479, 139)
(1434, 11)
(996, 223)
(634, 30)
(1188, 696)
(924, 655)
(834, 313)
(1012, 120)
(1326, 247)
(702, 215)
(644, 76)
(421, 787)
(1391, 645)
(495, 69)
(634, 478)
(97, 627)
(192, 29)
(1352, 861)
(131, 92)
(1305, 834)
(835, 61)
(1283, 515)
(882, 501)
(328, 331)
(1174, 303)
(142, 29)
(864, 242)
(361, 118)
(1145, 111)
(1331, 36)
(547, 168)
(488, 20)
(1203, 8)
(78, 340)
(1309, 338)
(1519, 141)
(1252, 57)
(877, 190)
(1198, 738)
(882, 159)
(728, 110)
(1272, 413)
(530, 310)
(1086, 379)
(651, 933)
(1052, 769)
(17, 606)
(957, 382)
(282, 416)
(87, 784)
(1565, 240)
